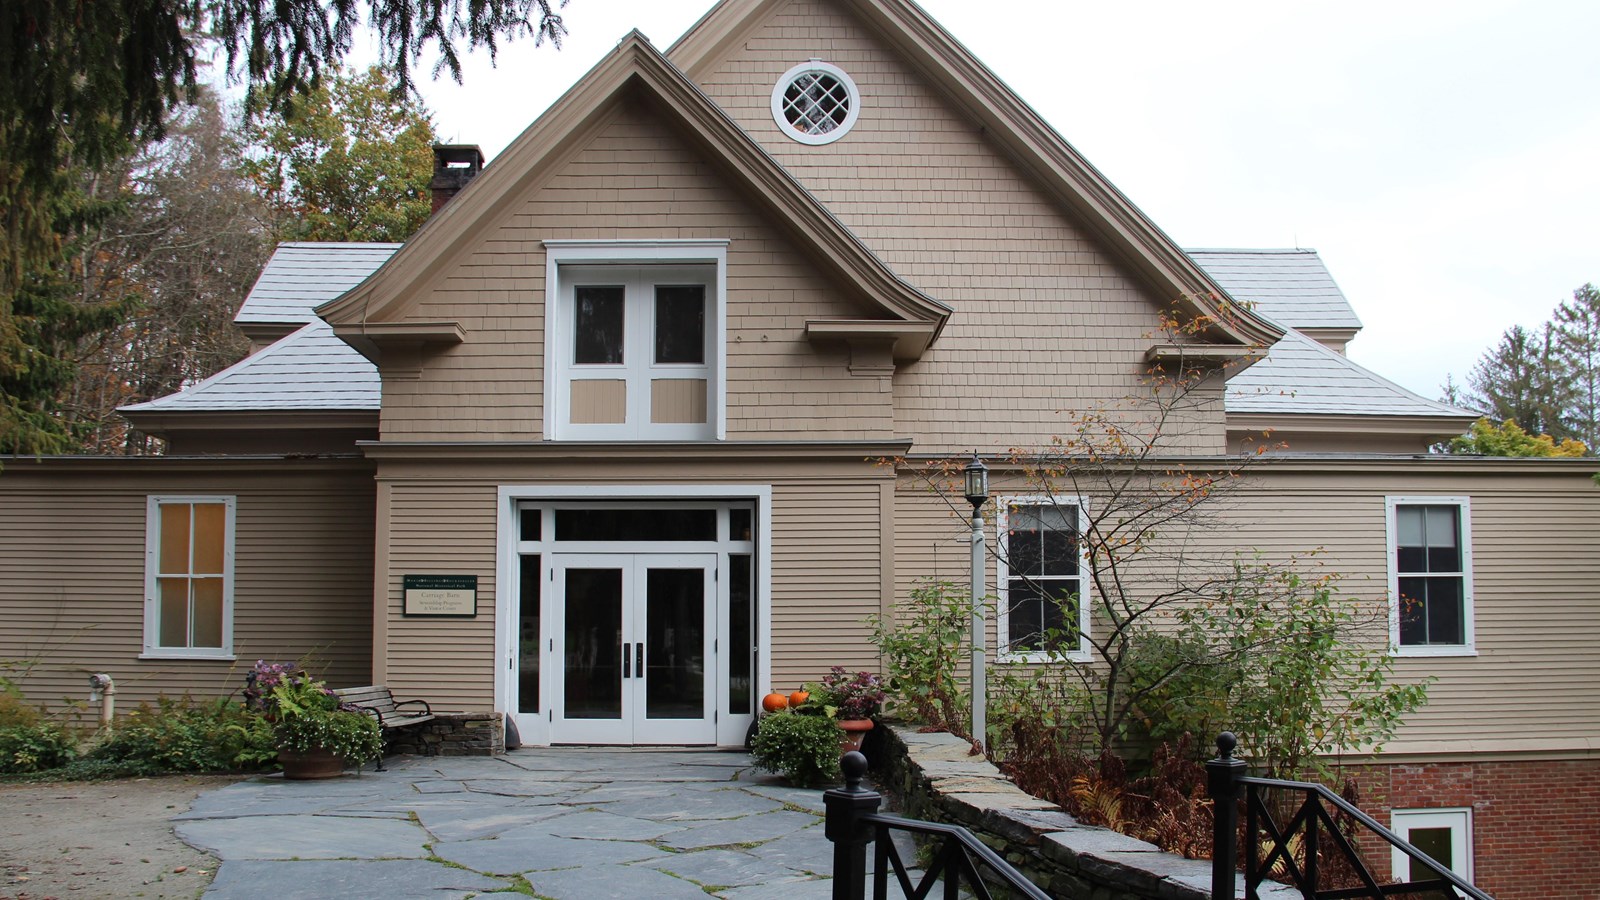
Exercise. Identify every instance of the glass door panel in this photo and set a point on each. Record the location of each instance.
(592, 640)
(675, 636)
(677, 615)
(592, 617)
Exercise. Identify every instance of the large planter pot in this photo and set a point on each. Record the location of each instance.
(855, 731)
(318, 763)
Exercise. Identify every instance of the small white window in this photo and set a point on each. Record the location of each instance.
(1042, 584)
(189, 577)
(634, 339)
(1430, 576)
(815, 103)
(1444, 834)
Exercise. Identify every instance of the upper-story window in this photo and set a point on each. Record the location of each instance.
(1430, 576)
(634, 340)
(815, 103)
(1042, 608)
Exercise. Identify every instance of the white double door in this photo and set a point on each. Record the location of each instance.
(635, 641)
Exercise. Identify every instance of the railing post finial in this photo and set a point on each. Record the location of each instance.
(1222, 780)
(843, 826)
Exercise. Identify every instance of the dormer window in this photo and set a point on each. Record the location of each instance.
(633, 340)
(815, 103)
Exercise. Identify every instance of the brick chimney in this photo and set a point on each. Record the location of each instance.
(453, 166)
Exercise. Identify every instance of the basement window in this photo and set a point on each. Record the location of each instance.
(815, 103)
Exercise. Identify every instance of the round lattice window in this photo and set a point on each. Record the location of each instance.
(815, 103)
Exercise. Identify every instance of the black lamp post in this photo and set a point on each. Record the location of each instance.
(977, 491)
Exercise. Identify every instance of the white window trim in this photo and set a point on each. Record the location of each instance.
(693, 251)
(152, 549)
(1456, 818)
(1391, 523)
(850, 116)
(1002, 575)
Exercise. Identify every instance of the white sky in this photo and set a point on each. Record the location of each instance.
(1443, 157)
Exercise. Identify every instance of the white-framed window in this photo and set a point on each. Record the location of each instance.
(1042, 577)
(1444, 834)
(1430, 575)
(188, 580)
(635, 340)
(815, 103)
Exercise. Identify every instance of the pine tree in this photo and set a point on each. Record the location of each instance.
(1518, 380)
(1577, 327)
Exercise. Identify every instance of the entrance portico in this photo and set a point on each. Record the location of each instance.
(632, 614)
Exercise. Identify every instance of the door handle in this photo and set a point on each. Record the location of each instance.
(638, 663)
(625, 660)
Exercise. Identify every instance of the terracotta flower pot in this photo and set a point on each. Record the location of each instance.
(318, 763)
(855, 731)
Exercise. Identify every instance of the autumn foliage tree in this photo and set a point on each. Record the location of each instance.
(350, 163)
(1119, 606)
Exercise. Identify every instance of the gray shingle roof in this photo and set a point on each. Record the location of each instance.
(1302, 377)
(312, 369)
(1291, 287)
(309, 369)
(302, 276)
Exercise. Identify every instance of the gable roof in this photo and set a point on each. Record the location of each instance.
(1021, 133)
(1292, 286)
(377, 308)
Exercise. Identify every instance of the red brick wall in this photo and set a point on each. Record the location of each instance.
(1535, 825)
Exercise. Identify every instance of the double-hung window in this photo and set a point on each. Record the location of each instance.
(1430, 576)
(634, 340)
(1042, 585)
(189, 577)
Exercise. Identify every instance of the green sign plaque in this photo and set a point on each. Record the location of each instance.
(441, 596)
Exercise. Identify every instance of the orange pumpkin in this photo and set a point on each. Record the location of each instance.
(774, 702)
(799, 697)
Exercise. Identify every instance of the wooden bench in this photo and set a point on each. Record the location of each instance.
(378, 701)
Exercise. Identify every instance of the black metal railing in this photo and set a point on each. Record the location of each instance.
(1304, 847)
(853, 822)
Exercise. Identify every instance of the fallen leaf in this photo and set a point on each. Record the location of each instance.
(181, 869)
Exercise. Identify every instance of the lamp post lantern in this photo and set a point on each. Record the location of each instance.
(977, 491)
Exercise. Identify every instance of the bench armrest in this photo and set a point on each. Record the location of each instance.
(426, 709)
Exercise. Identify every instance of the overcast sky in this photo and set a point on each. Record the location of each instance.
(1441, 156)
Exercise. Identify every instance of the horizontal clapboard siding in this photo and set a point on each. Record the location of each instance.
(73, 577)
(826, 569)
(1536, 579)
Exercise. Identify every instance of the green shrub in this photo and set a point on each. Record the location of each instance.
(924, 649)
(29, 741)
(35, 747)
(185, 736)
(801, 748)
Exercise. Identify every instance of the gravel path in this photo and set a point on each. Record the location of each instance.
(101, 839)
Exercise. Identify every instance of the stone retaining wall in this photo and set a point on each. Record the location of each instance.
(936, 779)
(450, 734)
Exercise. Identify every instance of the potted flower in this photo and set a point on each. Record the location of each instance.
(851, 699)
(316, 737)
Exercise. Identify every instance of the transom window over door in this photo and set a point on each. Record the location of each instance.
(634, 350)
